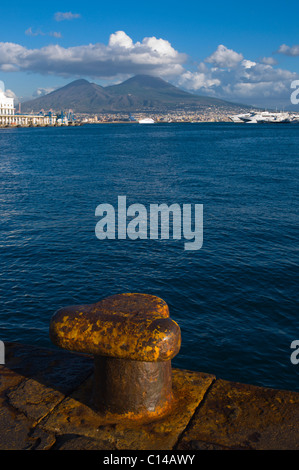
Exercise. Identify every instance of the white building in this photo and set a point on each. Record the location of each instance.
(9, 118)
(7, 109)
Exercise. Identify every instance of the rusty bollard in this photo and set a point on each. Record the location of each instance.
(133, 341)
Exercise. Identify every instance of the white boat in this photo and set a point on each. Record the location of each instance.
(241, 117)
(146, 121)
(263, 117)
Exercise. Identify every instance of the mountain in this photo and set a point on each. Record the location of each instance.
(142, 93)
(79, 95)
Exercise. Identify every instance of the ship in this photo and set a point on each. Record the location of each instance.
(256, 117)
(146, 121)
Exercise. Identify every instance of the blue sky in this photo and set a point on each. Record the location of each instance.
(240, 51)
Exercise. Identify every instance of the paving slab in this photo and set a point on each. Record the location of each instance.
(32, 382)
(240, 416)
(74, 416)
(17, 431)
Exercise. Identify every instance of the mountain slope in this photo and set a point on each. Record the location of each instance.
(139, 93)
(79, 95)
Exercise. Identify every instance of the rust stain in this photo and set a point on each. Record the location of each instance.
(126, 326)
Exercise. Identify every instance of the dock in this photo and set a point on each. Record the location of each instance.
(45, 405)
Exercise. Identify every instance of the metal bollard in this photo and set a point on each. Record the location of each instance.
(133, 341)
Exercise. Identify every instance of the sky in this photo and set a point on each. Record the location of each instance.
(245, 52)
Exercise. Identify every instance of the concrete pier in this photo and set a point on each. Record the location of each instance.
(45, 405)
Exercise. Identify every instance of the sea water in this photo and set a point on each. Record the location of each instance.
(235, 299)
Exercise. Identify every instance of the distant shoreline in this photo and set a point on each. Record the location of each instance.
(112, 122)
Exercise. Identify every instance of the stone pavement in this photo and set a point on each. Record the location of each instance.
(45, 404)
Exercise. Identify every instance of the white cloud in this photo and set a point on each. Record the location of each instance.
(43, 91)
(120, 39)
(11, 94)
(9, 68)
(30, 32)
(224, 74)
(68, 15)
(161, 47)
(268, 61)
(55, 34)
(235, 78)
(39, 32)
(287, 50)
(224, 57)
(198, 81)
(248, 64)
(120, 56)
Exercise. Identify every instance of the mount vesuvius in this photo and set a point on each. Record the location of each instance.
(143, 93)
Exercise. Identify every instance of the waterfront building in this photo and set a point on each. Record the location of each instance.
(9, 118)
(7, 109)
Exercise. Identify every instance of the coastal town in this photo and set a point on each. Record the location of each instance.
(9, 117)
(12, 116)
(207, 115)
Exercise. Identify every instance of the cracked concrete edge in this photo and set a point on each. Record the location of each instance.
(191, 420)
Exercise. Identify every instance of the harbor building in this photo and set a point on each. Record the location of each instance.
(7, 109)
(9, 118)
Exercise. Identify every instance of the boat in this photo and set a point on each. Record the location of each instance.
(241, 117)
(264, 117)
(146, 121)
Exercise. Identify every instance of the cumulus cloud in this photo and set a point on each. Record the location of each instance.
(199, 80)
(232, 77)
(224, 57)
(224, 74)
(120, 56)
(268, 60)
(248, 64)
(120, 39)
(287, 50)
(67, 15)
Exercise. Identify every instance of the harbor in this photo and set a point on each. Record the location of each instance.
(10, 119)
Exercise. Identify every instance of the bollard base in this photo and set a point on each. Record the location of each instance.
(132, 387)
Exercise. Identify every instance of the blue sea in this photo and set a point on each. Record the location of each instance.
(235, 299)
